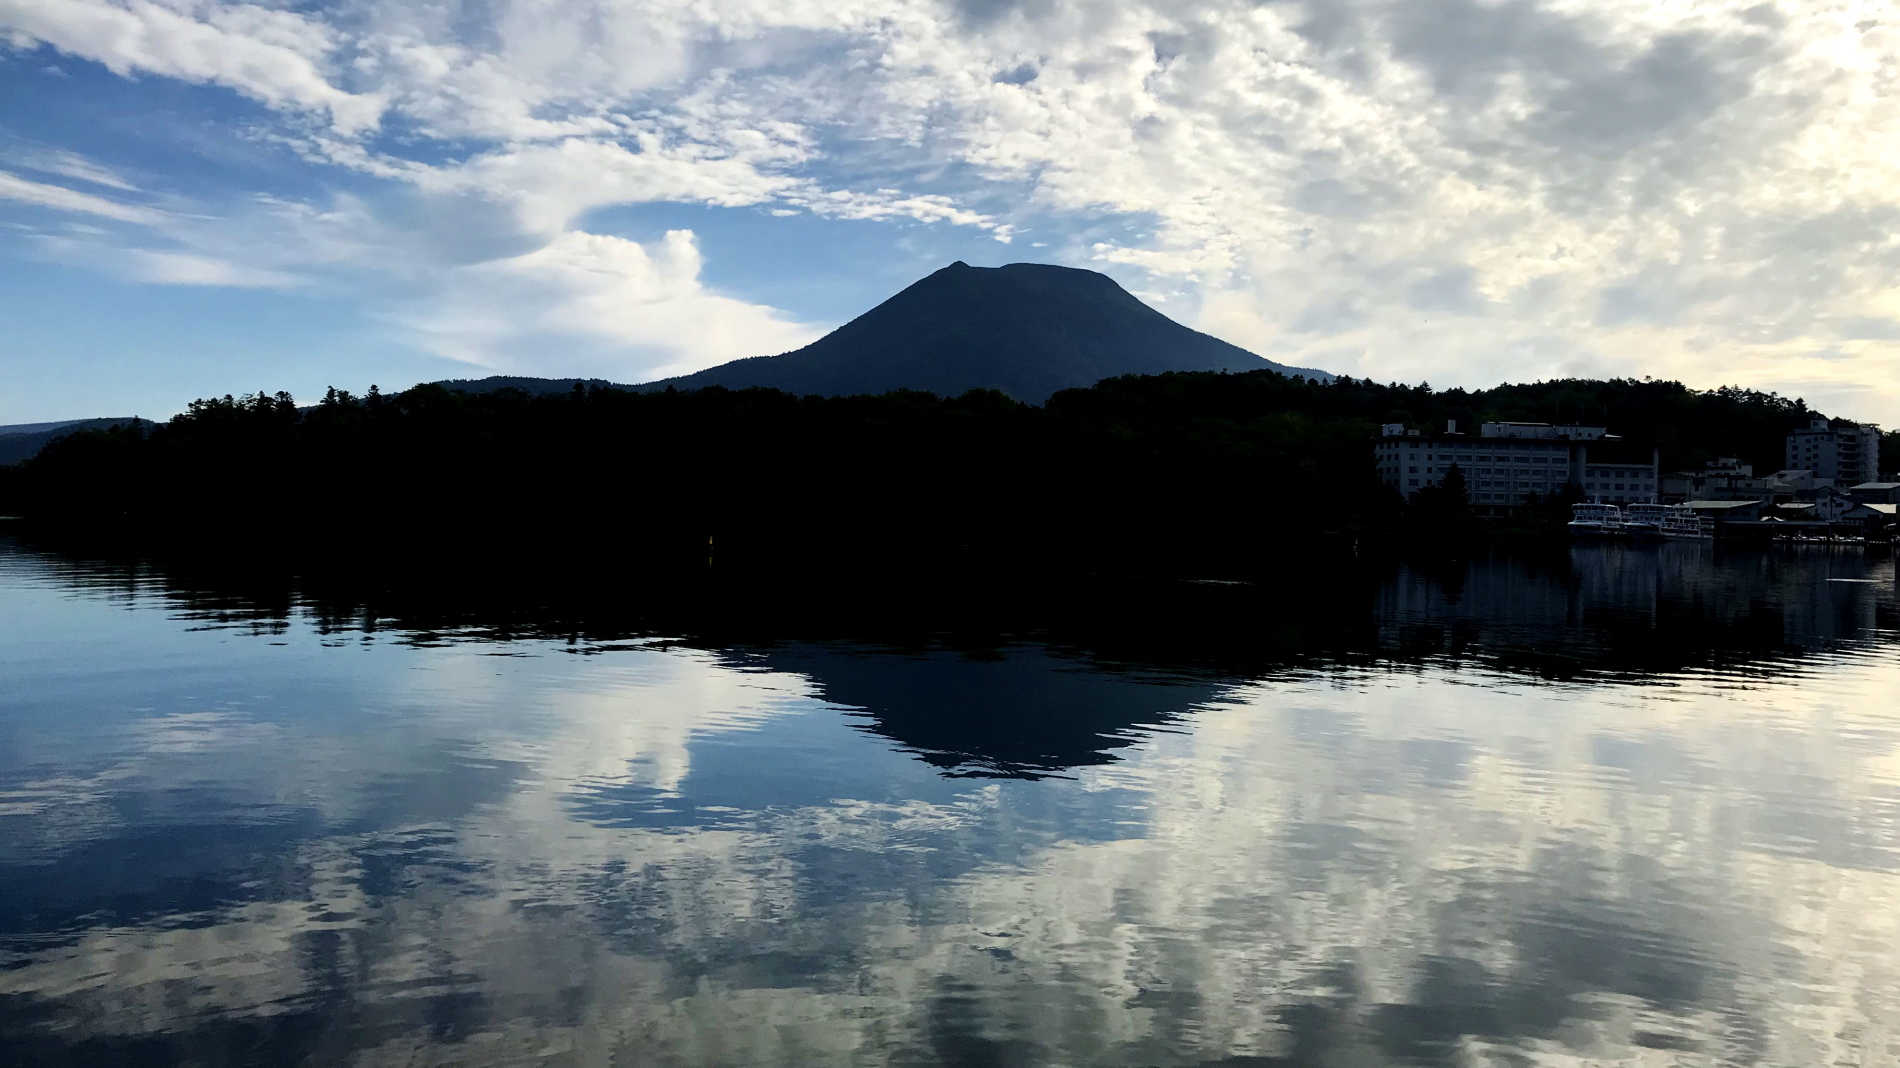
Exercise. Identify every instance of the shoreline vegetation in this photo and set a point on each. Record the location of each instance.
(1198, 472)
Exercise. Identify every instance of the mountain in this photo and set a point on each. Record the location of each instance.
(1027, 329)
(21, 441)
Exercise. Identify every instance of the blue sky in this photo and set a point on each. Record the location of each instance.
(199, 196)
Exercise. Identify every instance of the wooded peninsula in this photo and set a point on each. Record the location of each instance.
(1195, 469)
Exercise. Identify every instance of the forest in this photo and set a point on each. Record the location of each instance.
(1174, 471)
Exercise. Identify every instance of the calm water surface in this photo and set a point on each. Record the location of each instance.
(1605, 807)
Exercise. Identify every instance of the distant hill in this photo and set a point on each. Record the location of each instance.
(21, 441)
(1027, 329)
(535, 386)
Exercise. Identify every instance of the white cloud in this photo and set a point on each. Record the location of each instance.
(68, 165)
(159, 266)
(186, 269)
(1444, 189)
(270, 55)
(59, 198)
(547, 187)
(595, 305)
(1469, 192)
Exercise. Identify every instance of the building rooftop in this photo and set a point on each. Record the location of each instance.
(1874, 486)
(1822, 425)
(1543, 430)
(1721, 505)
(1519, 431)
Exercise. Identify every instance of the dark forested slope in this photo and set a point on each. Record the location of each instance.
(23, 440)
(1177, 471)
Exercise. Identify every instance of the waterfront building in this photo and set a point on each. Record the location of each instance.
(1730, 480)
(1823, 508)
(1877, 517)
(1506, 464)
(1837, 449)
(1876, 492)
(1726, 511)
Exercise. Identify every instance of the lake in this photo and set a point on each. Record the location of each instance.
(1586, 805)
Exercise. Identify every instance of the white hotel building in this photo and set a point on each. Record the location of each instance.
(1835, 448)
(1507, 463)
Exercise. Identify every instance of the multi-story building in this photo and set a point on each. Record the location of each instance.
(1508, 463)
(1723, 479)
(1848, 453)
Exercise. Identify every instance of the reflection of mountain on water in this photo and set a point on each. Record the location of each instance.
(1018, 711)
(1027, 675)
(431, 842)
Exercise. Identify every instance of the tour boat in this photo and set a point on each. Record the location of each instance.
(1644, 522)
(1596, 521)
(1683, 524)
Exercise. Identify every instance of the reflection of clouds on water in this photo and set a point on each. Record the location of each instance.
(202, 732)
(627, 718)
(434, 856)
(1355, 868)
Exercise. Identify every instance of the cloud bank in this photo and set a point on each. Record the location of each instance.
(1453, 190)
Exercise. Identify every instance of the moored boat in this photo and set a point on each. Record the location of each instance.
(1644, 522)
(1595, 521)
(1683, 524)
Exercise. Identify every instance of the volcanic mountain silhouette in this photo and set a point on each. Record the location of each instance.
(1027, 329)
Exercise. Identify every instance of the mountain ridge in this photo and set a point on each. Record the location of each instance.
(1029, 330)
(1026, 329)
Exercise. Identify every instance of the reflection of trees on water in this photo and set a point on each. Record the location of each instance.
(1026, 678)
(1322, 862)
(1638, 609)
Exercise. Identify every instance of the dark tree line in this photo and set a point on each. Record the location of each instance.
(1170, 471)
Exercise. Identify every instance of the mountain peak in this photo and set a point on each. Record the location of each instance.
(1026, 329)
